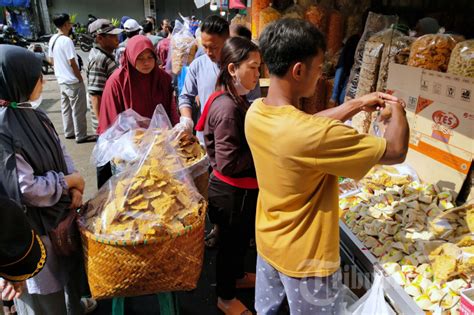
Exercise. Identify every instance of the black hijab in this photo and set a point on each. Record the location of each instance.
(20, 70)
(28, 132)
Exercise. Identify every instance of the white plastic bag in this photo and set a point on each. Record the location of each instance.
(373, 302)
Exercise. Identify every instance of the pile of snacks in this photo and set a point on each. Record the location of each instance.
(432, 52)
(406, 224)
(148, 200)
(462, 59)
(187, 147)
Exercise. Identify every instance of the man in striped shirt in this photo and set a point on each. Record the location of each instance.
(101, 63)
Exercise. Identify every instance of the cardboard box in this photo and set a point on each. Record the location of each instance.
(467, 302)
(440, 111)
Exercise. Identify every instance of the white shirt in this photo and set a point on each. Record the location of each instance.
(63, 52)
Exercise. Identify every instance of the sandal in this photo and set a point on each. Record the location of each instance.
(233, 307)
(247, 282)
(89, 305)
(212, 238)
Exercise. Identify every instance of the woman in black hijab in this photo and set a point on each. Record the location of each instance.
(36, 171)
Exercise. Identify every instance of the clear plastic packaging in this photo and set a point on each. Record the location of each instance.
(267, 16)
(375, 23)
(462, 59)
(183, 46)
(398, 43)
(117, 141)
(318, 16)
(153, 198)
(432, 52)
(129, 138)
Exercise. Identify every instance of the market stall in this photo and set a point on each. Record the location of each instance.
(410, 224)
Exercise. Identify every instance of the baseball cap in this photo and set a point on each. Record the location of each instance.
(131, 25)
(22, 253)
(103, 26)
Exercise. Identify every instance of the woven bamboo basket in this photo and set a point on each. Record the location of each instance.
(127, 268)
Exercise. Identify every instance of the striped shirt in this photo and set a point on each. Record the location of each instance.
(101, 66)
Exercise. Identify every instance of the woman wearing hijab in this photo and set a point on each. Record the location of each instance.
(233, 187)
(36, 171)
(139, 84)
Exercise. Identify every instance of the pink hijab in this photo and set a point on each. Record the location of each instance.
(128, 88)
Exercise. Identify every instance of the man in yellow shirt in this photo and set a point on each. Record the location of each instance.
(298, 158)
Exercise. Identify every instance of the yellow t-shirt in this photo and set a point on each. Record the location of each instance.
(298, 158)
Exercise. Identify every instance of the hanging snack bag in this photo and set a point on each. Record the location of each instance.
(267, 16)
(432, 52)
(257, 7)
(462, 59)
(318, 16)
(183, 47)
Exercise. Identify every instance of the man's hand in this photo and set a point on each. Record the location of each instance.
(186, 125)
(76, 198)
(375, 101)
(11, 290)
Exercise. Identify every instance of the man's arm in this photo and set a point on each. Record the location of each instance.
(75, 69)
(95, 103)
(369, 102)
(397, 135)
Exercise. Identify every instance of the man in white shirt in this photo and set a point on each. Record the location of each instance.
(68, 74)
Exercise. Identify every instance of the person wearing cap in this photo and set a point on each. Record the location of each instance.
(37, 173)
(101, 66)
(131, 28)
(22, 253)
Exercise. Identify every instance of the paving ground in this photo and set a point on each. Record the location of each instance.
(200, 301)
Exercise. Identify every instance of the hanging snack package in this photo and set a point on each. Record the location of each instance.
(183, 47)
(335, 33)
(432, 52)
(318, 16)
(267, 16)
(462, 59)
(393, 45)
(375, 23)
(257, 7)
(403, 54)
(295, 11)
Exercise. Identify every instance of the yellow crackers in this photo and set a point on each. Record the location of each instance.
(150, 199)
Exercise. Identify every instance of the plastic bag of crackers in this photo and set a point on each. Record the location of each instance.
(183, 47)
(432, 52)
(151, 198)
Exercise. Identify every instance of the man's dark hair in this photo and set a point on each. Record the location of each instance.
(147, 26)
(131, 34)
(60, 19)
(242, 31)
(288, 41)
(215, 25)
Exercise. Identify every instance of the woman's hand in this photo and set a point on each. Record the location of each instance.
(375, 101)
(75, 180)
(76, 198)
(11, 290)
